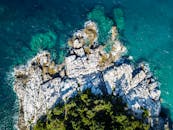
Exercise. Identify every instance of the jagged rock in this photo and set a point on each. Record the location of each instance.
(79, 52)
(91, 31)
(38, 89)
(82, 65)
(114, 33)
(77, 44)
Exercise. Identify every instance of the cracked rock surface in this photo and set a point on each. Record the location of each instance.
(41, 84)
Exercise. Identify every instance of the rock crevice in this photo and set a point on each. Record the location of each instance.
(41, 84)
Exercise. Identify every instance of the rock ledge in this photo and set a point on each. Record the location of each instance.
(41, 84)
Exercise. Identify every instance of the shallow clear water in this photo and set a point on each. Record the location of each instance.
(148, 31)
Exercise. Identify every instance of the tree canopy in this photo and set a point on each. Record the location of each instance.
(87, 111)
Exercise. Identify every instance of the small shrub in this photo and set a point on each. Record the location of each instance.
(87, 111)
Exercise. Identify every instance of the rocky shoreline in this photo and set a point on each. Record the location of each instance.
(41, 84)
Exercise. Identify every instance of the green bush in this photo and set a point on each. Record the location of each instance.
(90, 112)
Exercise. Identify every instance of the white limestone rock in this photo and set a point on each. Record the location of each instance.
(39, 90)
(77, 44)
(90, 24)
(79, 52)
(81, 66)
(138, 78)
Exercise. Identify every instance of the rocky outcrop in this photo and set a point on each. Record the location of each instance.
(41, 84)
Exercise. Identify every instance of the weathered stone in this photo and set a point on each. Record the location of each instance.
(39, 90)
(79, 52)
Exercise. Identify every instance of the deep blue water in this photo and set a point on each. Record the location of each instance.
(148, 33)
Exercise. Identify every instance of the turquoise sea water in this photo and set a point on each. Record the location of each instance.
(149, 30)
(148, 34)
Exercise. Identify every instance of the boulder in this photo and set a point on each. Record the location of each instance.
(41, 84)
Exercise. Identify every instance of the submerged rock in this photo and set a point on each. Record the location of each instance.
(41, 84)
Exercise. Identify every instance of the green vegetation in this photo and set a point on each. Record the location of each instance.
(90, 112)
(119, 18)
(104, 23)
